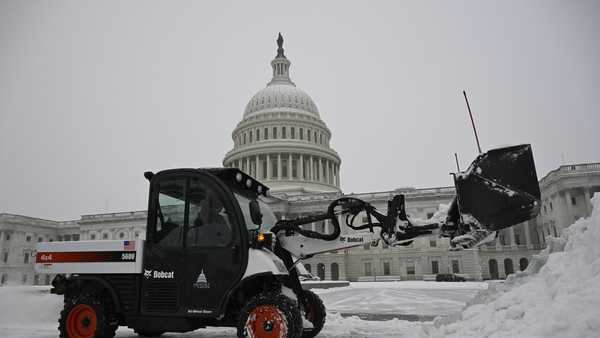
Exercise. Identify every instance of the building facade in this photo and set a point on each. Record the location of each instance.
(283, 142)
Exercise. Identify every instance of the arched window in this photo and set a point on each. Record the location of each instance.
(301, 132)
(321, 138)
(493, 266)
(274, 132)
(283, 133)
(121, 235)
(307, 267)
(292, 133)
(335, 271)
(266, 133)
(257, 134)
(250, 136)
(308, 135)
(508, 266)
(244, 138)
(523, 263)
(321, 271)
(315, 135)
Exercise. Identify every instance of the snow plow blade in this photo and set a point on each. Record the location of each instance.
(500, 188)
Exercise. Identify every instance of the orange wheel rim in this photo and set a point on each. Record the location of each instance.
(81, 322)
(266, 321)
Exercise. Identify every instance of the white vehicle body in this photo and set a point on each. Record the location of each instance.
(304, 247)
(261, 261)
(108, 257)
(125, 257)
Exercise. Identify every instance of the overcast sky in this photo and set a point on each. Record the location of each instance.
(92, 94)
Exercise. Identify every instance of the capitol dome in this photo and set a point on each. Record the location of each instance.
(281, 95)
(281, 139)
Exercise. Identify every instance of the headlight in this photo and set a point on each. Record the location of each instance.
(261, 240)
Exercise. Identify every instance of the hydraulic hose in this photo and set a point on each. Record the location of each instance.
(350, 206)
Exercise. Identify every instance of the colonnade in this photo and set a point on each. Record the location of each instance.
(289, 166)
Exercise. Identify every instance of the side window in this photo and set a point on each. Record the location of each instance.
(209, 221)
(170, 212)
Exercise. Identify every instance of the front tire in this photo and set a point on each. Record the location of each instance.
(270, 315)
(85, 317)
(315, 313)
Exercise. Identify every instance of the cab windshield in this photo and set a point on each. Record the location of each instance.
(268, 217)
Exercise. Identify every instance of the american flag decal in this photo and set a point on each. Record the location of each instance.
(129, 245)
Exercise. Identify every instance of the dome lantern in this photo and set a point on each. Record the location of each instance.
(281, 66)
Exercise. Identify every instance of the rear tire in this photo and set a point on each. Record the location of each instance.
(86, 317)
(315, 314)
(270, 315)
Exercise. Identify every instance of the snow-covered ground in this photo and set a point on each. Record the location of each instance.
(33, 311)
(557, 296)
(410, 300)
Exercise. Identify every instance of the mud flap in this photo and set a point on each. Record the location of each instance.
(500, 188)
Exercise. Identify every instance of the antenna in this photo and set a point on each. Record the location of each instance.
(472, 122)
(456, 158)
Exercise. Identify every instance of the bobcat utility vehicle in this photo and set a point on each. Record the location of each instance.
(215, 255)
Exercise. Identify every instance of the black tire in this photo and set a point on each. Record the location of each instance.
(315, 314)
(268, 312)
(86, 316)
(148, 334)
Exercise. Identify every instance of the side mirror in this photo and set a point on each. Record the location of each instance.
(255, 213)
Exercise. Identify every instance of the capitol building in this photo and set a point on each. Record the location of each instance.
(283, 141)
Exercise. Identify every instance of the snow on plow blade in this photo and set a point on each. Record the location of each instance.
(500, 188)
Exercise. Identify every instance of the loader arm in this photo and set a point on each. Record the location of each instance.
(498, 190)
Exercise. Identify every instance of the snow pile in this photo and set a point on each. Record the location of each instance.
(558, 295)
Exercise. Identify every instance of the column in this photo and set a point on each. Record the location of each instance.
(331, 176)
(311, 175)
(320, 169)
(332, 179)
(588, 203)
(569, 211)
(511, 236)
(301, 167)
(326, 176)
(336, 169)
(289, 168)
(248, 166)
(279, 166)
(526, 229)
(258, 169)
(498, 244)
(268, 159)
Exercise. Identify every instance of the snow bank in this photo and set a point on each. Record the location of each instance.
(558, 295)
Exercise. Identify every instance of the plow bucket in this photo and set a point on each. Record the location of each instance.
(500, 188)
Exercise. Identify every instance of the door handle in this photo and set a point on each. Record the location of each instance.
(236, 250)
